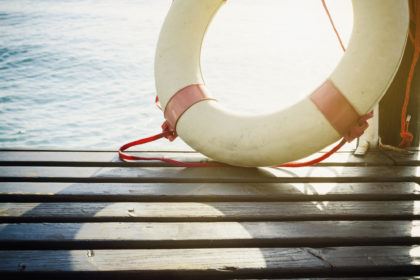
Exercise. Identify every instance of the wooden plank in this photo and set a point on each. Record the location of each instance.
(97, 158)
(215, 174)
(209, 211)
(411, 159)
(91, 158)
(349, 258)
(36, 192)
(216, 263)
(207, 234)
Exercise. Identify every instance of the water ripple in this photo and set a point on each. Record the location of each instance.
(79, 74)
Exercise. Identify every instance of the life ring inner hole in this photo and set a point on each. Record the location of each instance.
(262, 56)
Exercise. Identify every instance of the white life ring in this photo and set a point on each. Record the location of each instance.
(358, 82)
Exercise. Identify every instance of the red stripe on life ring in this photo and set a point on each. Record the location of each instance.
(181, 101)
(339, 111)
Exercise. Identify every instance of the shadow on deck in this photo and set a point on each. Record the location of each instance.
(85, 214)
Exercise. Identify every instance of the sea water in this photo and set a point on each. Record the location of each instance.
(79, 74)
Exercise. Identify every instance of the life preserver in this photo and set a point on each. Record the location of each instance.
(358, 82)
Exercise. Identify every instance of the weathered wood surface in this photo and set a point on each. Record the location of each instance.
(87, 215)
(205, 234)
(412, 158)
(213, 174)
(78, 158)
(209, 211)
(226, 262)
(46, 191)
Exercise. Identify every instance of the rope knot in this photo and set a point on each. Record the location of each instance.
(168, 132)
(406, 139)
(358, 128)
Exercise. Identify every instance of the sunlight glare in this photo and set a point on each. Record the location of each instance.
(315, 188)
(415, 255)
(270, 54)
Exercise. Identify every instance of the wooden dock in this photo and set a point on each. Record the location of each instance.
(68, 214)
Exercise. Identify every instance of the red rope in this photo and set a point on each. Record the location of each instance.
(324, 4)
(164, 134)
(316, 160)
(127, 157)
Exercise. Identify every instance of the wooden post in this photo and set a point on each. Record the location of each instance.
(391, 104)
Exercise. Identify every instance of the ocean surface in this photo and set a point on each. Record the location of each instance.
(79, 74)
